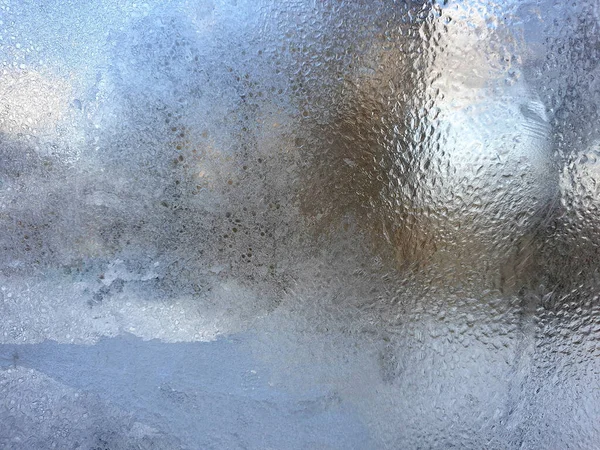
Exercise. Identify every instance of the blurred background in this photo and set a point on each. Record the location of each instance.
(299, 224)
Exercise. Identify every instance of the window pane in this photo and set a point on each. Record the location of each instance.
(299, 224)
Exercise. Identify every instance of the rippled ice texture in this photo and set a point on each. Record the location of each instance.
(299, 224)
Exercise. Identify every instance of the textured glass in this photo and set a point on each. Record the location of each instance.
(317, 224)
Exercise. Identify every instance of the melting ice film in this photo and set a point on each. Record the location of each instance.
(299, 224)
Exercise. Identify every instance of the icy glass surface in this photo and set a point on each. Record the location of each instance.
(316, 224)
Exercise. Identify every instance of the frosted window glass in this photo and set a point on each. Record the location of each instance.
(320, 224)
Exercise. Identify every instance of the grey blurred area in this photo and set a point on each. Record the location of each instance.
(320, 224)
